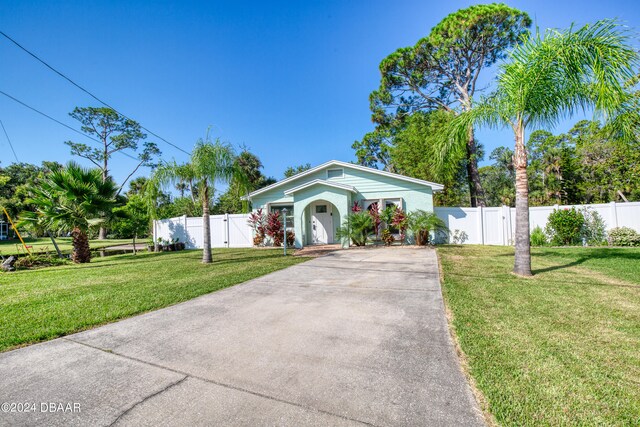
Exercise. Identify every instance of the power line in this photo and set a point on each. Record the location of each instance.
(10, 144)
(85, 90)
(59, 122)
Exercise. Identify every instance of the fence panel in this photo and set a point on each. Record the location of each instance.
(480, 226)
(496, 225)
(227, 231)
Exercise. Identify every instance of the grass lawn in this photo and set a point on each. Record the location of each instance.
(39, 305)
(561, 348)
(42, 244)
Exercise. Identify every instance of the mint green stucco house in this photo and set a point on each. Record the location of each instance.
(318, 199)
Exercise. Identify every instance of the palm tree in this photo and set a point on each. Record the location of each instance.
(421, 223)
(547, 78)
(210, 162)
(73, 198)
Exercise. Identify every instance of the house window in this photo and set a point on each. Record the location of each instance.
(290, 216)
(367, 205)
(393, 202)
(335, 173)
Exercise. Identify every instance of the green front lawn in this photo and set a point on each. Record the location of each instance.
(561, 348)
(39, 305)
(43, 244)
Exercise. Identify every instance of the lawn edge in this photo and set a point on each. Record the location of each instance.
(463, 361)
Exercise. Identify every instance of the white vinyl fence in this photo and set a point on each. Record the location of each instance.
(496, 225)
(227, 231)
(483, 226)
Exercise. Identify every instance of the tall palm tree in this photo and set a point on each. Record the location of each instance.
(72, 198)
(549, 77)
(210, 163)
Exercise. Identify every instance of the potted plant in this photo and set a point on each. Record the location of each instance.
(179, 245)
(160, 245)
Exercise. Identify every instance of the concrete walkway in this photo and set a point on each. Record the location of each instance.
(357, 337)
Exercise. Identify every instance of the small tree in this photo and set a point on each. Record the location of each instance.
(72, 198)
(135, 218)
(356, 228)
(422, 223)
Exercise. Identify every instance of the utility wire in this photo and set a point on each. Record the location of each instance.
(60, 123)
(10, 144)
(85, 90)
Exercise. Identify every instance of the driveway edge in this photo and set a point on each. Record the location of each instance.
(479, 398)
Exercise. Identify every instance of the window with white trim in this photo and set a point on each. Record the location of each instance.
(335, 173)
(290, 216)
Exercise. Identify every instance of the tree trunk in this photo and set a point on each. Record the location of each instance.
(81, 251)
(473, 176)
(206, 227)
(134, 245)
(102, 235)
(522, 264)
(55, 245)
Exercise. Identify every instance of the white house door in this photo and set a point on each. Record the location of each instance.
(322, 224)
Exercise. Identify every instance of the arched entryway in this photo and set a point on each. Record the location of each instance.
(319, 220)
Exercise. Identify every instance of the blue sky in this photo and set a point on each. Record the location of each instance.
(290, 80)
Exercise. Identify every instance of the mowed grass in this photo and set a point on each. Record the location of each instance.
(561, 348)
(43, 304)
(42, 245)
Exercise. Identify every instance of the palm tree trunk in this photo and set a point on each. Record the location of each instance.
(523, 247)
(81, 252)
(206, 226)
(473, 176)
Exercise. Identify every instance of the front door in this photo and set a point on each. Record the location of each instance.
(322, 224)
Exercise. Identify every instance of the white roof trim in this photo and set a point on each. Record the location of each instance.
(321, 182)
(434, 186)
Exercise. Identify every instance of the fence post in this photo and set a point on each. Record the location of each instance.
(614, 214)
(226, 229)
(480, 223)
(186, 231)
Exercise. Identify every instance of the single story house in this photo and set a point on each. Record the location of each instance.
(319, 199)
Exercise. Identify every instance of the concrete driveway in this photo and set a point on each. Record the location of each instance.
(357, 337)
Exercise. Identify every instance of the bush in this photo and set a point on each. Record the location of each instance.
(538, 238)
(38, 261)
(387, 237)
(565, 226)
(624, 236)
(593, 230)
(356, 227)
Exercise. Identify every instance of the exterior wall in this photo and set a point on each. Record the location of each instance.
(369, 186)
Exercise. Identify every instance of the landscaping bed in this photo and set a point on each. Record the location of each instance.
(50, 302)
(561, 348)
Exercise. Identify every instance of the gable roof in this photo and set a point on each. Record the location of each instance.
(433, 185)
(321, 182)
